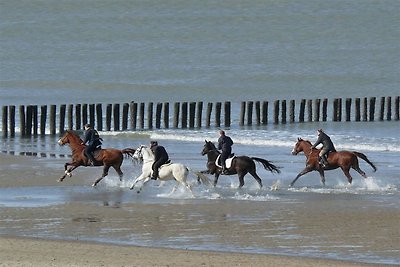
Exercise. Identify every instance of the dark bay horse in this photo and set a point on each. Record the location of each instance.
(241, 165)
(109, 157)
(340, 159)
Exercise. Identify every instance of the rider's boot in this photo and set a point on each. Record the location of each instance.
(154, 176)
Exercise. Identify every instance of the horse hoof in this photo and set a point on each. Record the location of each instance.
(60, 180)
(138, 191)
(93, 185)
(69, 174)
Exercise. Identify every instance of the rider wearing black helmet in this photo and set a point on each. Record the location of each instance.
(160, 157)
(327, 146)
(93, 139)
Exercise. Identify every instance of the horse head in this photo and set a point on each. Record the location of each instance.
(208, 146)
(143, 153)
(299, 146)
(70, 138)
(138, 153)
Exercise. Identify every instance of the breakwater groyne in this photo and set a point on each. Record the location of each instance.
(34, 120)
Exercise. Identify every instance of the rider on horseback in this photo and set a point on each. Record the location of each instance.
(225, 145)
(160, 157)
(327, 146)
(93, 139)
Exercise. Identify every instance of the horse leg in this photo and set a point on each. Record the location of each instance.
(322, 175)
(346, 172)
(117, 168)
(105, 173)
(307, 169)
(216, 178)
(144, 182)
(255, 175)
(241, 178)
(357, 168)
(67, 171)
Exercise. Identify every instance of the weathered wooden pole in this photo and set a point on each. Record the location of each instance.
(166, 115)
(218, 106)
(302, 110)
(310, 110)
(99, 117)
(108, 117)
(84, 114)
(5, 122)
(29, 120)
(53, 111)
(22, 120)
(158, 115)
(70, 116)
(141, 115)
(35, 118)
(265, 112)
(335, 109)
(78, 116)
(325, 109)
(397, 108)
(150, 115)
(276, 111)
(208, 114)
(365, 109)
(199, 114)
(227, 109)
(192, 114)
(176, 114)
(242, 113)
(11, 110)
(389, 108)
(43, 118)
(283, 106)
(134, 107)
(184, 114)
(358, 109)
(317, 109)
(61, 127)
(372, 102)
(382, 110)
(258, 112)
(292, 105)
(125, 115)
(250, 112)
(348, 109)
(92, 115)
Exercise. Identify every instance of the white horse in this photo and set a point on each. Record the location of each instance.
(169, 171)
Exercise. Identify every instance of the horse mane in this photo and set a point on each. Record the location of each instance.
(307, 141)
(74, 135)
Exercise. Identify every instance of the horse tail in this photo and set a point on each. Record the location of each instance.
(362, 156)
(128, 151)
(267, 165)
(201, 178)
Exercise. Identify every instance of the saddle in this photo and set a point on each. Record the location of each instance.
(228, 161)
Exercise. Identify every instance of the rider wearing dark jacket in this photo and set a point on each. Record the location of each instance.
(93, 139)
(327, 146)
(160, 157)
(225, 145)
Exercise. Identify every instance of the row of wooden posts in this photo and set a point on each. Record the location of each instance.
(188, 115)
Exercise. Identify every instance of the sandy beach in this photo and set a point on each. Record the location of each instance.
(71, 221)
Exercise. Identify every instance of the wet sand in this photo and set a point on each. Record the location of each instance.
(70, 221)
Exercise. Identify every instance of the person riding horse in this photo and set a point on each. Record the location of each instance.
(93, 139)
(160, 157)
(327, 146)
(225, 145)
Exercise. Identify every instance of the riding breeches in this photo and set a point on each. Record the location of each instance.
(224, 156)
(89, 151)
(156, 166)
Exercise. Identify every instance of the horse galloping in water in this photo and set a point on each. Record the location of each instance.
(241, 165)
(109, 157)
(340, 159)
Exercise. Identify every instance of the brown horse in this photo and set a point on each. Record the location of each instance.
(343, 159)
(241, 165)
(103, 157)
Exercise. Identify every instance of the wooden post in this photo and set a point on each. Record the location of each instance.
(227, 109)
(192, 114)
(292, 105)
(242, 113)
(150, 115)
(53, 109)
(35, 118)
(4, 122)
(302, 110)
(166, 115)
(29, 120)
(92, 115)
(317, 109)
(357, 103)
(396, 108)
(184, 114)
(11, 110)
(176, 114)
(310, 111)
(265, 112)
(365, 109)
(372, 102)
(125, 113)
(340, 109)
(141, 115)
(324, 109)
(84, 114)
(78, 116)
(249, 112)
(348, 109)
(99, 117)
(283, 106)
(382, 112)
(133, 109)
(158, 115)
(22, 121)
(61, 128)
(199, 114)
(389, 108)
(108, 117)
(335, 109)
(218, 114)
(70, 116)
(208, 114)
(43, 117)
(258, 112)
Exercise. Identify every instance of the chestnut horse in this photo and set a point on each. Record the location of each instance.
(241, 165)
(340, 159)
(109, 157)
